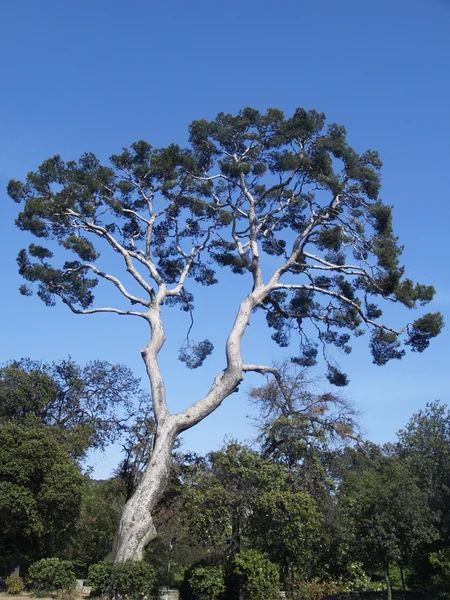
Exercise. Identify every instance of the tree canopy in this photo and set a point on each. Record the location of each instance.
(250, 187)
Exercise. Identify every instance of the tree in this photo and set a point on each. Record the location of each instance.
(285, 201)
(93, 532)
(388, 511)
(425, 445)
(286, 525)
(83, 407)
(220, 494)
(40, 491)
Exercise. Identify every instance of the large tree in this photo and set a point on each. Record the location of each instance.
(284, 201)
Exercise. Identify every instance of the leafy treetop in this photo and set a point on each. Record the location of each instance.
(283, 199)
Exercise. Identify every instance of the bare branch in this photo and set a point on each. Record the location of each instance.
(114, 280)
(92, 311)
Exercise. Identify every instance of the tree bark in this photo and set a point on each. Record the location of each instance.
(15, 560)
(388, 581)
(136, 528)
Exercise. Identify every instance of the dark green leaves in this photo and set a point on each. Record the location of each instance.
(336, 377)
(423, 330)
(194, 354)
(385, 346)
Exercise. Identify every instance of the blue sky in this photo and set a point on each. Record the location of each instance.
(95, 76)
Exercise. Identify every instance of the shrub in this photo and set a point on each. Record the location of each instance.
(357, 580)
(440, 580)
(52, 574)
(99, 576)
(314, 590)
(133, 579)
(256, 575)
(207, 583)
(14, 584)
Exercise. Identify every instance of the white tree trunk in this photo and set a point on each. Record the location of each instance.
(136, 528)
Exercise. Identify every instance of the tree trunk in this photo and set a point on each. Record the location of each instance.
(388, 581)
(235, 533)
(402, 574)
(15, 561)
(136, 528)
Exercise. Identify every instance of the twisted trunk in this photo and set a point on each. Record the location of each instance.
(136, 528)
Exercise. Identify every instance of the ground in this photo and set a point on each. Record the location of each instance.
(27, 596)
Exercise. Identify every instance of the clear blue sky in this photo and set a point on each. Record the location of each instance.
(97, 75)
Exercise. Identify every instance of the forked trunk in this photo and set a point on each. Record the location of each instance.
(136, 528)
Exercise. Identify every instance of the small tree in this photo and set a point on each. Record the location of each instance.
(388, 512)
(40, 491)
(286, 526)
(284, 201)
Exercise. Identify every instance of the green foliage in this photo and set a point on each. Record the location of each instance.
(257, 576)
(134, 580)
(207, 583)
(52, 574)
(14, 585)
(286, 525)
(82, 406)
(93, 532)
(100, 576)
(440, 580)
(425, 445)
(388, 511)
(221, 492)
(40, 488)
(356, 579)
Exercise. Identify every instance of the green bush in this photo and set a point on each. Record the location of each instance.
(14, 584)
(357, 580)
(99, 576)
(207, 583)
(256, 576)
(440, 580)
(133, 580)
(52, 574)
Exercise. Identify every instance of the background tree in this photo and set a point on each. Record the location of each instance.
(93, 532)
(285, 201)
(40, 492)
(220, 495)
(83, 407)
(425, 445)
(387, 510)
(287, 526)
